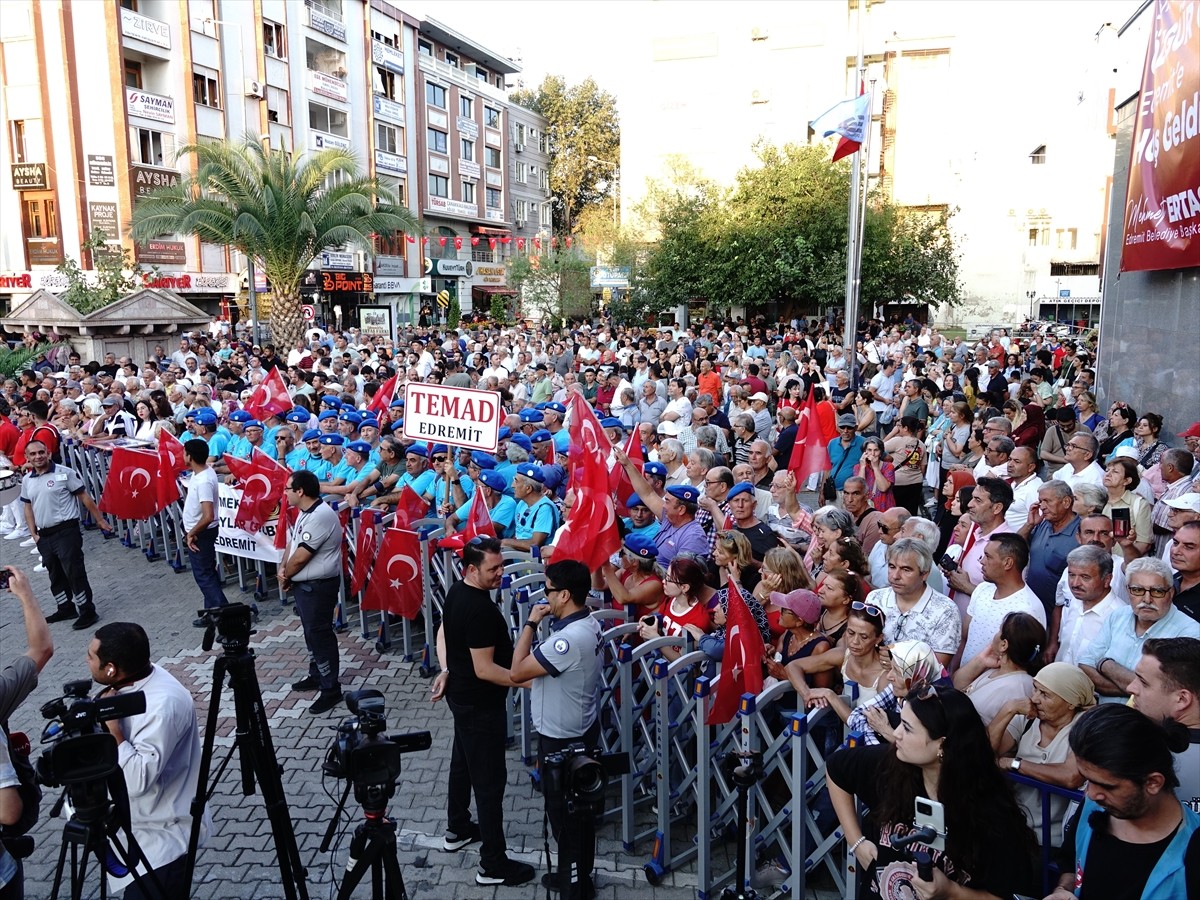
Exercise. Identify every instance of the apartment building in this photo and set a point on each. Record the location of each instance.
(92, 125)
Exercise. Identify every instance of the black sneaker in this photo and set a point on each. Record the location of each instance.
(325, 702)
(307, 683)
(511, 873)
(64, 613)
(87, 618)
(200, 623)
(452, 842)
(550, 883)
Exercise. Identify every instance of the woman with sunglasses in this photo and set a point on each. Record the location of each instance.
(683, 609)
(941, 753)
(861, 656)
(1004, 671)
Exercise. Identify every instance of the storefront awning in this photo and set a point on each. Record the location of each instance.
(485, 229)
(486, 290)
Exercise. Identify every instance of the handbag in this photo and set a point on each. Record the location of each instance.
(829, 491)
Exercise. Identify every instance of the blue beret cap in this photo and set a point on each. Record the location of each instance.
(331, 400)
(505, 432)
(557, 407)
(239, 415)
(655, 468)
(312, 434)
(360, 447)
(417, 449)
(483, 460)
(634, 500)
(494, 480)
(641, 545)
(611, 422)
(368, 422)
(541, 436)
(299, 416)
(335, 439)
(206, 417)
(327, 414)
(191, 413)
(553, 476)
(522, 441)
(533, 473)
(350, 416)
(399, 401)
(742, 487)
(438, 448)
(253, 423)
(684, 492)
(530, 416)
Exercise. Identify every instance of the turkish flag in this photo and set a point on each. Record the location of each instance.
(479, 523)
(131, 488)
(741, 663)
(590, 532)
(395, 582)
(474, 242)
(262, 481)
(364, 548)
(384, 396)
(520, 243)
(809, 452)
(410, 507)
(619, 483)
(171, 461)
(270, 398)
(458, 243)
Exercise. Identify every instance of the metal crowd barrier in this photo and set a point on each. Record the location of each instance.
(1046, 791)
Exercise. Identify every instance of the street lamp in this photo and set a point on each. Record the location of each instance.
(1031, 295)
(616, 168)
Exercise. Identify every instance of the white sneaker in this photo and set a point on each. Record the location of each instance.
(28, 542)
(39, 568)
(16, 533)
(34, 552)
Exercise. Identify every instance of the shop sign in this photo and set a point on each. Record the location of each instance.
(468, 127)
(495, 215)
(103, 217)
(23, 282)
(388, 57)
(100, 171)
(388, 265)
(332, 259)
(192, 282)
(389, 109)
(328, 86)
(610, 276)
(44, 252)
(455, 268)
(453, 207)
(154, 107)
(169, 253)
(322, 141)
(403, 285)
(326, 24)
(347, 282)
(390, 162)
(491, 275)
(145, 29)
(29, 176)
(147, 180)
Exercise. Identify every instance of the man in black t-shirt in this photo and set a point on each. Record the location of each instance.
(475, 652)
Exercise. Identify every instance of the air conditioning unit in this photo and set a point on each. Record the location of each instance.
(520, 223)
(518, 147)
(255, 89)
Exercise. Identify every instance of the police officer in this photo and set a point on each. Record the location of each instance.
(311, 571)
(565, 706)
(52, 493)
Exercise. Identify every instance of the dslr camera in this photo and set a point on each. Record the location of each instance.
(81, 749)
(364, 755)
(573, 777)
(229, 625)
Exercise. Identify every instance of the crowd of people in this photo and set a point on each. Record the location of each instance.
(988, 559)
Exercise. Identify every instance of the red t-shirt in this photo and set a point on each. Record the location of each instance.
(9, 435)
(672, 625)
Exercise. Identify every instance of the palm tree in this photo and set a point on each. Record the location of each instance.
(278, 208)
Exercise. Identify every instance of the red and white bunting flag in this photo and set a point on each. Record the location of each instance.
(741, 662)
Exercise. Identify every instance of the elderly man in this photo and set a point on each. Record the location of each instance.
(671, 454)
(679, 532)
(1185, 560)
(927, 531)
(761, 415)
(989, 502)
(651, 406)
(537, 517)
(1022, 469)
(1110, 659)
(743, 506)
(1081, 468)
(890, 524)
(1176, 467)
(856, 501)
(996, 453)
(760, 463)
(912, 610)
(1052, 531)
(1089, 574)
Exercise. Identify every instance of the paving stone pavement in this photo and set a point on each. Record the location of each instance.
(239, 860)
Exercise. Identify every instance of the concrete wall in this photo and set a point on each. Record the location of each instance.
(1150, 321)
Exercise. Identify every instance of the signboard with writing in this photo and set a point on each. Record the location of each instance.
(147, 180)
(1162, 203)
(388, 57)
(326, 24)
(29, 176)
(322, 141)
(389, 109)
(235, 541)
(44, 252)
(468, 168)
(145, 29)
(610, 276)
(347, 282)
(389, 265)
(170, 253)
(154, 107)
(460, 268)
(403, 285)
(335, 259)
(390, 162)
(494, 215)
(468, 127)
(192, 282)
(491, 274)
(465, 417)
(375, 321)
(103, 217)
(454, 207)
(100, 171)
(328, 86)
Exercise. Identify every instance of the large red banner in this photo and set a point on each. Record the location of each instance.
(1162, 206)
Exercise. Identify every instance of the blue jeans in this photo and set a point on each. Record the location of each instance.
(477, 766)
(204, 568)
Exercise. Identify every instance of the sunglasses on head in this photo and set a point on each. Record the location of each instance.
(859, 606)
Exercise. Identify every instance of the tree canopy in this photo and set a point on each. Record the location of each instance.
(779, 234)
(584, 143)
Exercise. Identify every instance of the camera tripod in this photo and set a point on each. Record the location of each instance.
(256, 753)
(744, 778)
(372, 847)
(92, 831)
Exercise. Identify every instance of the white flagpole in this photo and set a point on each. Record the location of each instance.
(862, 213)
(852, 236)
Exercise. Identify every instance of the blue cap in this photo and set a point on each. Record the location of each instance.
(505, 433)
(634, 500)
(206, 417)
(493, 479)
(398, 402)
(742, 487)
(557, 407)
(541, 406)
(360, 447)
(534, 473)
(541, 436)
(350, 416)
(522, 441)
(191, 413)
(611, 422)
(299, 416)
(331, 400)
(530, 416)
(239, 415)
(333, 439)
(417, 449)
(562, 441)
(684, 492)
(555, 475)
(654, 468)
(253, 423)
(483, 460)
(312, 434)
(438, 448)
(641, 545)
(327, 414)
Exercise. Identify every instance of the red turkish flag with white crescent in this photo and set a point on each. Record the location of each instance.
(590, 532)
(619, 483)
(741, 661)
(810, 454)
(364, 548)
(383, 397)
(262, 481)
(270, 398)
(171, 461)
(395, 582)
(131, 487)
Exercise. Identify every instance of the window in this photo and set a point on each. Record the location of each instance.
(273, 40)
(204, 90)
(437, 141)
(40, 218)
(327, 119)
(1038, 156)
(1039, 237)
(491, 156)
(130, 5)
(425, 48)
(435, 95)
(494, 198)
(149, 148)
(323, 58)
(331, 8)
(500, 82)
(544, 180)
(386, 39)
(468, 192)
(1066, 270)
(547, 215)
(466, 107)
(491, 117)
(278, 106)
(482, 74)
(522, 211)
(20, 148)
(451, 60)
(385, 82)
(519, 133)
(1065, 238)
(544, 142)
(385, 138)
(133, 74)
(521, 174)
(439, 186)
(468, 150)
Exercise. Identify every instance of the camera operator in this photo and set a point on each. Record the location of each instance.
(565, 707)
(17, 681)
(159, 754)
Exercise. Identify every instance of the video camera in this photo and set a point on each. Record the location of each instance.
(230, 625)
(572, 776)
(363, 754)
(743, 768)
(82, 750)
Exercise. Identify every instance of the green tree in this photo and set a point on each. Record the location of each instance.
(554, 284)
(117, 275)
(584, 142)
(279, 208)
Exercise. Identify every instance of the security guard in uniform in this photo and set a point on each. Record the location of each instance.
(52, 494)
(565, 707)
(311, 570)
